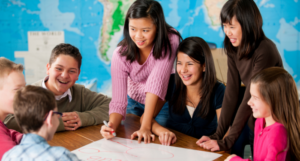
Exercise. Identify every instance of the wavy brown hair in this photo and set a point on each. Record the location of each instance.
(65, 49)
(279, 90)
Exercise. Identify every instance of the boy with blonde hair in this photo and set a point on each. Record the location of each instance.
(36, 114)
(11, 80)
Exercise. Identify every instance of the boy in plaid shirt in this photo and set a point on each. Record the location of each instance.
(36, 113)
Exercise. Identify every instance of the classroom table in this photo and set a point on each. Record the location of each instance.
(75, 139)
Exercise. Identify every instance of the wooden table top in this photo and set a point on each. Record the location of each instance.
(75, 139)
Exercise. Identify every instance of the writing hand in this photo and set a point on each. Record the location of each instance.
(143, 133)
(71, 120)
(106, 132)
(167, 138)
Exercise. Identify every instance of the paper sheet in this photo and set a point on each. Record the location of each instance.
(120, 149)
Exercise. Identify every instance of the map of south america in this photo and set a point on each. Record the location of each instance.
(31, 28)
(112, 28)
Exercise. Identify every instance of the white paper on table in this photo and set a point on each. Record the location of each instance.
(120, 149)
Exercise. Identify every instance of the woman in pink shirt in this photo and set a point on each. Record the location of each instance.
(141, 68)
(274, 102)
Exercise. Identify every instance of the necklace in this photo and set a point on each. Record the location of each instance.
(190, 101)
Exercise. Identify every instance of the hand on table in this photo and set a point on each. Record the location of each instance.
(107, 132)
(202, 139)
(229, 157)
(71, 120)
(208, 144)
(167, 138)
(143, 133)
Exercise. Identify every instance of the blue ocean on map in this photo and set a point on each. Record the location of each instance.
(83, 23)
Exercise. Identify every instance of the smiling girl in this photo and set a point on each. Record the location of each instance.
(249, 51)
(197, 97)
(141, 68)
(274, 102)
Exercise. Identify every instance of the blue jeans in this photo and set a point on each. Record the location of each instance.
(137, 108)
(246, 137)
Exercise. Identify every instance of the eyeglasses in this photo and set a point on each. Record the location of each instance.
(58, 113)
(54, 112)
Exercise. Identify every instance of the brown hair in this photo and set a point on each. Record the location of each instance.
(250, 19)
(66, 49)
(198, 50)
(279, 90)
(31, 105)
(7, 66)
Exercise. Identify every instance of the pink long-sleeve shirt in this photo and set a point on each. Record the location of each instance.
(8, 139)
(136, 80)
(270, 143)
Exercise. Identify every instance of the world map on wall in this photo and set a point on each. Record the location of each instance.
(31, 28)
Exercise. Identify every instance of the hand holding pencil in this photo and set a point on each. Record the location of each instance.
(106, 131)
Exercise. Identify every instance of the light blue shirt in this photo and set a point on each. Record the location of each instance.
(34, 147)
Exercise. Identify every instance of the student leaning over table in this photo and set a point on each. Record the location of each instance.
(11, 80)
(141, 67)
(249, 51)
(36, 113)
(80, 106)
(197, 97)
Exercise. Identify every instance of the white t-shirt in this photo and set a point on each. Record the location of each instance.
(191, 110)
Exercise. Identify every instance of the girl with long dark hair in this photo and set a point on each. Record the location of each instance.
(141, 68)
(249, 51)
(197, 96)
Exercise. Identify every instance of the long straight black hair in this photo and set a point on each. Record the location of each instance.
(198, 50)
(249, 17)
(144, 9)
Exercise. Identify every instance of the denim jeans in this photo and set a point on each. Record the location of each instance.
(246, 137)
(137, 108)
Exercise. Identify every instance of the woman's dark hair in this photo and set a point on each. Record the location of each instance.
(145, 9)
(249, 17)
(198, 50)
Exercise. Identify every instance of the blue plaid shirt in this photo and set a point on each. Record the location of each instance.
(34, 147)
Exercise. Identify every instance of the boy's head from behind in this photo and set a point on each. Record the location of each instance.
(63, 68)
(34, 108)
(11, 79)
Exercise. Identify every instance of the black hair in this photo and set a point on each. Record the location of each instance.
(145, 9)
(198, 50)
(250, 19)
